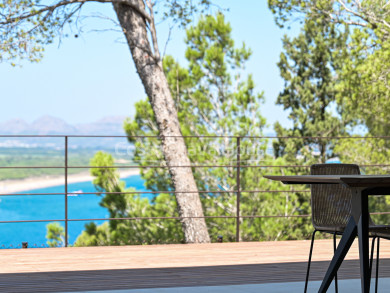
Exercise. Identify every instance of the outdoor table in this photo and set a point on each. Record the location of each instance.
(361, 187)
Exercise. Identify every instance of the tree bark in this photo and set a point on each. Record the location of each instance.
(173, 146)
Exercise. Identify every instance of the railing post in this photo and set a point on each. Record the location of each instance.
(66, 191)
(238, 189)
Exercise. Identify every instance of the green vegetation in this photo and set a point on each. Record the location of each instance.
(308, 65)
(340, 60)
(55, 234)
(121, 232)
(45, 157)
(362, 76)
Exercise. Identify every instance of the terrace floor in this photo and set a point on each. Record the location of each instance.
(219, 267)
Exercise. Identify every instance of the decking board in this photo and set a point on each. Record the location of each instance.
(134, 267)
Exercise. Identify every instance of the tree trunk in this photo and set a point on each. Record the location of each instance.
(174, 149)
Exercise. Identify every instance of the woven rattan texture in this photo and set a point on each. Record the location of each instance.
(331, 203)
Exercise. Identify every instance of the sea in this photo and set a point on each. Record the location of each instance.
(52, 207)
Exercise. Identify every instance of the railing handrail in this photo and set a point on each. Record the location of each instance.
(189, 136)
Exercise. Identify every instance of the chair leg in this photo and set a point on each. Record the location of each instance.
(334, 251)
(377, 266)
(308, 264)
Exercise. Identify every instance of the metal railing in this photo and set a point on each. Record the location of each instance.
(238, 191)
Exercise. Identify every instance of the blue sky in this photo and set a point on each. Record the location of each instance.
(93, 76)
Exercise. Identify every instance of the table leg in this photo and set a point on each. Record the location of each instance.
(345, 243)
(363, 223)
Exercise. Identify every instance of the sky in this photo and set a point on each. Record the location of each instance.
(93, 76)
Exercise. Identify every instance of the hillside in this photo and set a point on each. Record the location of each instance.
(49, 125)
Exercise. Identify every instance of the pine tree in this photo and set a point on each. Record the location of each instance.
(308, 66)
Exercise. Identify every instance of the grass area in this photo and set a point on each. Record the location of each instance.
(44, 157)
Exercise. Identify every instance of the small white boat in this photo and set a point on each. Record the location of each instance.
(75, 193)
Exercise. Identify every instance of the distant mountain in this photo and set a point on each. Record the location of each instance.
(108, 126)
(14, 126)
(49, 125)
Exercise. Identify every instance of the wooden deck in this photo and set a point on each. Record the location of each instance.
(159, 266)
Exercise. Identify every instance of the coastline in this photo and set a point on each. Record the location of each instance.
(20, 185)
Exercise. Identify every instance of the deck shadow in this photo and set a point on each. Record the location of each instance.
(74, 281)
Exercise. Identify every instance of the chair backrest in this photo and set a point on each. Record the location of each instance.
(331, 204)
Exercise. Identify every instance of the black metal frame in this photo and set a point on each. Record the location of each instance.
(358, 226)
(334, 250)
(310, 255)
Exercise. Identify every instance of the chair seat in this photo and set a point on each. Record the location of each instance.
(374, 230)
(382, 231)
(331, 229)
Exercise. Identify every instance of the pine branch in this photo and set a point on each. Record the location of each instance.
(53, 7)
(152, 29)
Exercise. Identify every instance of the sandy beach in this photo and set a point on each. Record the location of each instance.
(14, 186)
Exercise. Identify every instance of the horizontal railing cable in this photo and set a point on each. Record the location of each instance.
(158, 192)
(152, 218)
(190, 136)
(175, 166)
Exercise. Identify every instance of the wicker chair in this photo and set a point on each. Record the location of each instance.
(330, 204)
(331, 209)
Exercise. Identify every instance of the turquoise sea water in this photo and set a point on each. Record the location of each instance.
(52, 207)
